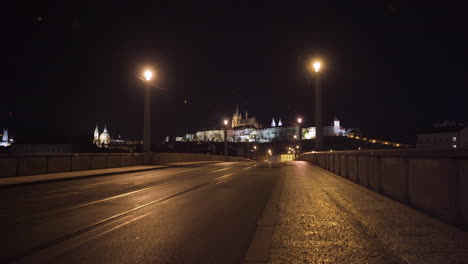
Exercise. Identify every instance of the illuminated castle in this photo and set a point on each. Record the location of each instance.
(238, 121)
(248, 129)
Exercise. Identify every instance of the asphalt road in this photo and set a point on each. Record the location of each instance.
(198, 214)
(219, 213)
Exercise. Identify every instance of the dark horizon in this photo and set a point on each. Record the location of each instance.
(390, 69)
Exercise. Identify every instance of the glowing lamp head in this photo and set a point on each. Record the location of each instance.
(317, 66)
(148, 75)
(299, 120)
(225, 122)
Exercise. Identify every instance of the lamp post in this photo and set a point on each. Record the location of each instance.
(255, 152)
(318, 108)
(225, 137)
(248, 146)
(147, 113)
(299, 122)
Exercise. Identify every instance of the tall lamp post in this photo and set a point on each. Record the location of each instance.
(255, 152)
(147, 113)
(248, 146)
(299, 122)
(225, 138)
(318, 108)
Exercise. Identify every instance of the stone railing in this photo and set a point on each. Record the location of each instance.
(12, 165)
(434, 181)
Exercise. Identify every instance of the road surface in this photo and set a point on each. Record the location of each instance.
(198, 214)
(219, 213)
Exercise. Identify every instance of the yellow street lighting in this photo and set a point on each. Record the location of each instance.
(148, 75)
(225, 122)
(255, 147)
(317, 66)
(299, 120)
(297, 147)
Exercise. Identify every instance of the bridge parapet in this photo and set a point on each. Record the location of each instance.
(12, 165)
(434, 181)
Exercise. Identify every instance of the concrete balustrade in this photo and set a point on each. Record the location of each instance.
(12, 165)
(434, 181)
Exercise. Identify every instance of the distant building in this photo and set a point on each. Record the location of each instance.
(6, 141)
(238, 121)
(248, 129)
(446, 135)
(104, 140)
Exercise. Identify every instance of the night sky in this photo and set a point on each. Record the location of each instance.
(390, 68)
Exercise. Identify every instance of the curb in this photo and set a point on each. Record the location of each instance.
(260, 246)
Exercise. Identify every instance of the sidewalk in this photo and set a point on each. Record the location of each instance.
(52, 177)
(323, 218)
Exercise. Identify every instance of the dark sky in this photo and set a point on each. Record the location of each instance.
(390, 68)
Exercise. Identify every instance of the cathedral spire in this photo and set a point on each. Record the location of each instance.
(279, 123)
(273, 123)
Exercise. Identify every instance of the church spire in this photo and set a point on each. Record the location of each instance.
(5, 135)
(273, 123)
(279, 123)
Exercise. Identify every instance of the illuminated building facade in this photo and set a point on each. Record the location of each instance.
(104, 140)
(248, 129)
(238, 121)
(6, 141)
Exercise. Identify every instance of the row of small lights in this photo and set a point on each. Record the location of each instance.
(375, 141)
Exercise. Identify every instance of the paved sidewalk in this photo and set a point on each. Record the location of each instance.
(24, 180)
(323, 218)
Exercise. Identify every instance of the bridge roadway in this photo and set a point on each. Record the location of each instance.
(213, 214)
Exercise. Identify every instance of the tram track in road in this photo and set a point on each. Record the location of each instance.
(56, 241)
(159, 184)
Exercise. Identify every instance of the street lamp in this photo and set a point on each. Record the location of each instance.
(255, 152)
(318, 107)
(299, 122)
(225, 137)
(147, 113)
(248, 146)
